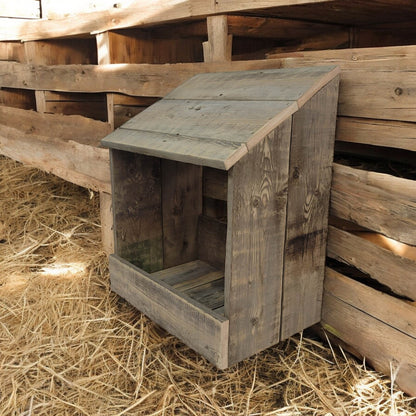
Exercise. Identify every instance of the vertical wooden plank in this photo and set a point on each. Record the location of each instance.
(104, 57)
(40, 101)
(218, 48)
(311, 154)
(106, 213)
(257, 199)
(212, 235)
(181, 207)
(34, 56)
(137, 208)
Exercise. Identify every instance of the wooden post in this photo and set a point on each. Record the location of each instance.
(104, 57)
(219, 45)
(106, 211)
(106, 214)
(33, 56)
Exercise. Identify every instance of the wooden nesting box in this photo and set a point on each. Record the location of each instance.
(220, 199)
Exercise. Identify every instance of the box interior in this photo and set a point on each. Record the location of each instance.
(170, 220)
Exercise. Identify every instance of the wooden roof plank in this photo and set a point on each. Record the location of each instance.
(214, 119)
(290, 85)
(213, 153)
(232, 121)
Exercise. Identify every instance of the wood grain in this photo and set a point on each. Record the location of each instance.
(376, 201)
(311, 153)
(214, 153)
(212, 235)
(375, 325)
(397, 134)
(137, 207)
(257, 198)
(137, 14)
(381, 264)
(181, 207)
(231, 121)
(219, 45)
(200, 328)
(84, 165)
(267, 85)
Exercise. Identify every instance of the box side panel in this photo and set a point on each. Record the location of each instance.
(257, 199)
(311, 155)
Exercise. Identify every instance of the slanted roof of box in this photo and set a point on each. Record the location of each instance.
(214, 119)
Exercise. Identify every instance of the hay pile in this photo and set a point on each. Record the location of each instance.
(68, 346)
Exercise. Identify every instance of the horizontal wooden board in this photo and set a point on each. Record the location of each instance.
(275, 28)
(213, 153)
(202, 329)
(75, 162)
(381, 264)
(376, 201)
(384, 346)
(198, 280)
(263, 85)
(136, 14)
(397, 134)
(77, 128)
(381, 94)
(382, 58)
(142, 80)
(227, 121)
(397, 313)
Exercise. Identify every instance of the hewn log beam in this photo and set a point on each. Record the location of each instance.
(140, 13)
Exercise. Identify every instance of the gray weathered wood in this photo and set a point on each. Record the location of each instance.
(377, 201)
(74, 161)
(350, 322)
(393, 311)
(137, 208)
(181, 207)
(381, 264)
(311, 153)
(200, 328)
(257, 198)
(214, 153)
(189, 275)
(226, 120)
(263, 85)
(215, 184)
(212, 235)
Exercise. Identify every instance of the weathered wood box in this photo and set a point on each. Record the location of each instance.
(220, 199)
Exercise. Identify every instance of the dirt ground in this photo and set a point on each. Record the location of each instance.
(69, 346)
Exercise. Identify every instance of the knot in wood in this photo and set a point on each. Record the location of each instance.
(256, 201)
(398, 91)
(296, 173)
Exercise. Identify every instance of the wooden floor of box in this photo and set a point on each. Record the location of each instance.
(199, 280)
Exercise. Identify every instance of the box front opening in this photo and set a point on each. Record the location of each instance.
(171, 221)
